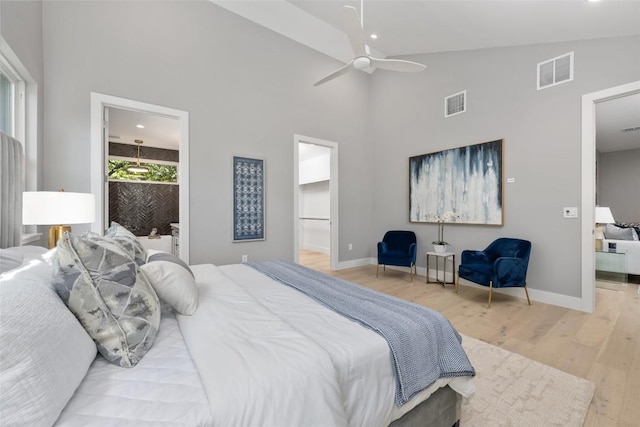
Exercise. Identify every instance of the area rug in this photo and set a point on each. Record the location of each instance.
(512, 390)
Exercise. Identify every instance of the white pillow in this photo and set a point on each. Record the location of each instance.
(45, 352)
(172, 280)
(14, 257)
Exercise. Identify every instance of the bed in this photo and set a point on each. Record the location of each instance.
(254, 352)
(101, 332)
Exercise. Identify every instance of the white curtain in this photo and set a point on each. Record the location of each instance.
(11, 183)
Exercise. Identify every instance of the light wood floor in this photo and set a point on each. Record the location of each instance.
(603, 347)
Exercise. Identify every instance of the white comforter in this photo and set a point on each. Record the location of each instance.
(164, 389)
(270, 356)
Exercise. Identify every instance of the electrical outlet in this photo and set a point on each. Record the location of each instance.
(570, 212)
(350, 247)
(244, 258)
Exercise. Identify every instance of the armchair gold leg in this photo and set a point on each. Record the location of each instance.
(411, 272)
(490, 290)
(527, 292)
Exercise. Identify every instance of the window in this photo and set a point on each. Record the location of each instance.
(158, 172)
(11, 101)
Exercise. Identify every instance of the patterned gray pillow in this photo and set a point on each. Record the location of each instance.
(114, 301)
(128, 241)
(613, 232)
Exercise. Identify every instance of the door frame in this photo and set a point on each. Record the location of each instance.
(333, 196)
(589, 101)
(101, 101)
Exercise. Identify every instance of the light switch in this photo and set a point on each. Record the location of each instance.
(570, 212)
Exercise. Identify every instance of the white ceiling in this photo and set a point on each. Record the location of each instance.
(160, 132)
(419, 26)
(613, 116)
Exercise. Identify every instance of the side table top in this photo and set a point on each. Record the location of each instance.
(444, 254)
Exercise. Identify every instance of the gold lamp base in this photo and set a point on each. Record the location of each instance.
(55, 233)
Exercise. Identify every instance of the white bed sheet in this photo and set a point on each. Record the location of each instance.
(164, 389)
(327, 370)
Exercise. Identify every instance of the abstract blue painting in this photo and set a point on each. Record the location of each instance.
(465, 181)
(248, 199)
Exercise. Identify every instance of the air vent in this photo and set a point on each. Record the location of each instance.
(455, 104)
(555, 71)
(635, 128)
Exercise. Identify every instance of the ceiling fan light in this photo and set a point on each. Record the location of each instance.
(361, 63)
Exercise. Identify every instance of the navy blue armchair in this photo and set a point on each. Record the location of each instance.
(503, 264)
(398, 248)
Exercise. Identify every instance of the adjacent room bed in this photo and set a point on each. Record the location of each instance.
(100, 332)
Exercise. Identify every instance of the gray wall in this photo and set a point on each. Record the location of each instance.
(21, 28)
(619, 184)
(541, 130)
(247, 90)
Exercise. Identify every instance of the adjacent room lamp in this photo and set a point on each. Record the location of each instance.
(603, 216)
(138, 168)
(56, 208)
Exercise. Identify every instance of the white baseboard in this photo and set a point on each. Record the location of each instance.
(356, 263)
(574, 303)
(535, 295)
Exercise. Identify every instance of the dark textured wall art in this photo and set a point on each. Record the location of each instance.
(466, 182)
(248, 199)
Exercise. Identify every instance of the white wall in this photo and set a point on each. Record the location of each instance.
(315, 211)
(619, 184)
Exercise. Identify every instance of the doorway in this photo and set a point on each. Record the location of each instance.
(315, 202)
(101, 107)
(589, 103)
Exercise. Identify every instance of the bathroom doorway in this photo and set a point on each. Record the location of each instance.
(140, 165)
(143, 161)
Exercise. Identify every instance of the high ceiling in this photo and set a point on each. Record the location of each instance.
(419, 26)
(411, 27)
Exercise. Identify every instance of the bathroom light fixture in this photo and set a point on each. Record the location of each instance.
(140, 126)
(138, 168)
(374, 36)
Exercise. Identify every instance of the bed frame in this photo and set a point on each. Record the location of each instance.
(441, 409)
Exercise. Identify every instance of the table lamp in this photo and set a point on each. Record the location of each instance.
(603, 216)
(56, 208)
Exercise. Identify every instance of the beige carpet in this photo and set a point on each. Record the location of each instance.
(512, 390)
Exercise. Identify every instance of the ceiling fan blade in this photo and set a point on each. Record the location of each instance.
(354, 31)
(397, 65)
(335, 74)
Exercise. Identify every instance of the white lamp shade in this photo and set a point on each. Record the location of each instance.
(57, 208)
(604, 216)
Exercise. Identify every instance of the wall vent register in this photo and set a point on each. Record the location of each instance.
(555, 71)
(455, 104)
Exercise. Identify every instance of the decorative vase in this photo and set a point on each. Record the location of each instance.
(440, 248)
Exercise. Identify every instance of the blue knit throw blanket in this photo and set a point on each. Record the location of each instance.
(424, 345)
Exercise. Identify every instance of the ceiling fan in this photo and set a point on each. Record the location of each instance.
(362, 59)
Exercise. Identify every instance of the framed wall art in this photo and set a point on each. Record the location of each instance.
(463, 184)
(248, 199)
